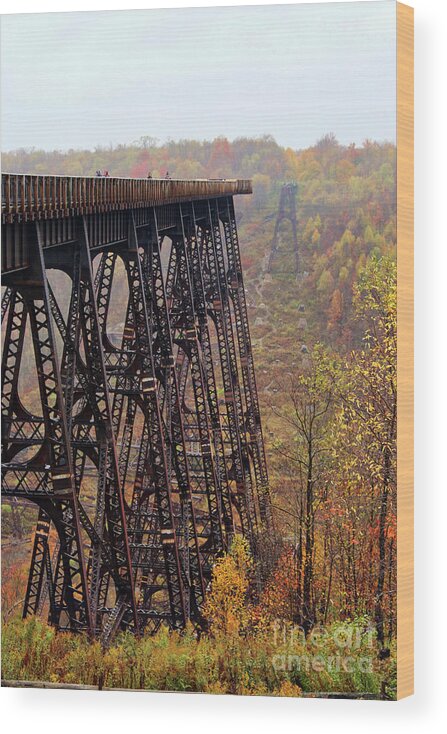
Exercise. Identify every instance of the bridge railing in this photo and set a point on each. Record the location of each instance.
(26, 196)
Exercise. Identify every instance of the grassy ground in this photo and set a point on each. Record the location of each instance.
(278, 662)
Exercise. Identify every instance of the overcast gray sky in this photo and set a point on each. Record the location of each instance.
(293, 71)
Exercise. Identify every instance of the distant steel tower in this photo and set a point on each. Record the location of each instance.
(286, 211)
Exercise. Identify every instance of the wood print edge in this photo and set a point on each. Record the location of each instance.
(405, 350)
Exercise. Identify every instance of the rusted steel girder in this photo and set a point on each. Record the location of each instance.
(140, 471)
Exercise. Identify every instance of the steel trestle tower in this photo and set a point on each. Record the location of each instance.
(143, 451)
(286, 212)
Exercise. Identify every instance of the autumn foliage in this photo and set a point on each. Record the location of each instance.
(324, 346)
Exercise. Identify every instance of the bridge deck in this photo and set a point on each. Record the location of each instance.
(26, 197)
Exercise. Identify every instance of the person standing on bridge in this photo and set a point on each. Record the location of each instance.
(149, 175)
(167, 175)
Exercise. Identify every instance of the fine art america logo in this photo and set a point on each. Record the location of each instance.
(342, 649)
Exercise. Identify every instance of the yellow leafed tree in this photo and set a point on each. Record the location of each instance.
(226, 608)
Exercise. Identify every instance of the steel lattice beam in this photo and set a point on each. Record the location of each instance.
(140, 472)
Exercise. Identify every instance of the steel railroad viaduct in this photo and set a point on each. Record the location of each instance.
(142, 444)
